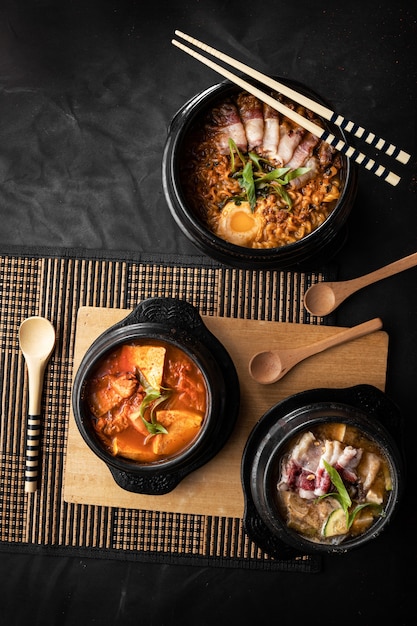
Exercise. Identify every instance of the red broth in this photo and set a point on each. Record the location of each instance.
(148, 401)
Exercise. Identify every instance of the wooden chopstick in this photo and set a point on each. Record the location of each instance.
(377, 142)
(338, 144)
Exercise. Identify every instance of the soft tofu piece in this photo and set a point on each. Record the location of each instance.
(336, 431)
(149, 359)
(122, 448)
(182, 427)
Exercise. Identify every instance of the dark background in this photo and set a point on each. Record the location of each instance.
(87, 92)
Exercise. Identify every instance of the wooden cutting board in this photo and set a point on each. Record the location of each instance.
(215, 489)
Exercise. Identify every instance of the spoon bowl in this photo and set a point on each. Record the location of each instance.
(37, 341)
(269, 366)
(323, 298)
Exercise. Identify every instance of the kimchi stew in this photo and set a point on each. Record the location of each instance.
(148, 401)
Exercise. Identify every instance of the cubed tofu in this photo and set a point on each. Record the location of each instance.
(122, 448)
(336, 431)
(182, 427)
(149, 359)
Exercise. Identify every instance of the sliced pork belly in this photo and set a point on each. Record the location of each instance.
(307, 453)
(332, 451)
(298, 473)
(290, 138)
(368, 468)
(313, 168)
(228, 125)
(304, 470)
(347, 463)
(326, 153)
(270, 138)
(303, 151)
(251, 113)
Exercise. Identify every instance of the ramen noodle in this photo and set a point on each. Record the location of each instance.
(255, 178)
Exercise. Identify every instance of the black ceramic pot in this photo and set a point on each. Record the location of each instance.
(317, 247)
(363, 406)
(174, 322)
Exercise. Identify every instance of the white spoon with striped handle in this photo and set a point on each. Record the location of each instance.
(37, 341)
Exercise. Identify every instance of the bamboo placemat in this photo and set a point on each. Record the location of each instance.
(57, 287)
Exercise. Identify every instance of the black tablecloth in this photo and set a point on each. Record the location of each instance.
(87, 92)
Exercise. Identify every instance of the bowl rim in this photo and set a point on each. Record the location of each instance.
(137, 334)
(182, 121)
(184, 328)
(362, 405)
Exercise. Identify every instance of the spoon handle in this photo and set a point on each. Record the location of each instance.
(384, 272)
(33, 436)
(345, 335)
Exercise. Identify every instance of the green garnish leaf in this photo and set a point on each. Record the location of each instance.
(264, 179)
(281, 191)
(154, 428)
(153, 398)
(342, 495)
(294, 174)
(277, 174)
(235, 150)
(248, 184)
(256, 159)
(353, 514)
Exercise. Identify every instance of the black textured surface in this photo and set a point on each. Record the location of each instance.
(87, 92)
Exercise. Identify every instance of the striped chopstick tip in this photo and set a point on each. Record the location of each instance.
(345, 124)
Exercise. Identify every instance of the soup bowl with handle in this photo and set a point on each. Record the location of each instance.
(176, 323)
(375, 419)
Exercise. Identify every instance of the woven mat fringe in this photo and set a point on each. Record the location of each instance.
(55, 288)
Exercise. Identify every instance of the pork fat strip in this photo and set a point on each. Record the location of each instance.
(250, 110)
(270, 140)
(332, 451)
(290, 138)
(228, 125)
(347, 463)
(303, 151)
(313, 165)
(326, 153)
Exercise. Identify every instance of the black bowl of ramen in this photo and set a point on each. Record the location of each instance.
(323, 471)
(156, 396)
(273, 197)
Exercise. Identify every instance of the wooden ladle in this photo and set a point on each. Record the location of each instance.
(323, 298)
(37, 341)
(271, 365)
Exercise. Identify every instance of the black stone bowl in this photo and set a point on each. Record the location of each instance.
(363, 406)
(317, 247)
(175, 322)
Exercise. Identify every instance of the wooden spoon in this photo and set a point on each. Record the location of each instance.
(37, 341)
(271, 365)
(323, 298)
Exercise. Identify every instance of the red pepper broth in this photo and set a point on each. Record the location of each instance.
(148, 401)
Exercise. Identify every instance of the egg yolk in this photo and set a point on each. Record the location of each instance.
(241, 222)
(238, 225)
